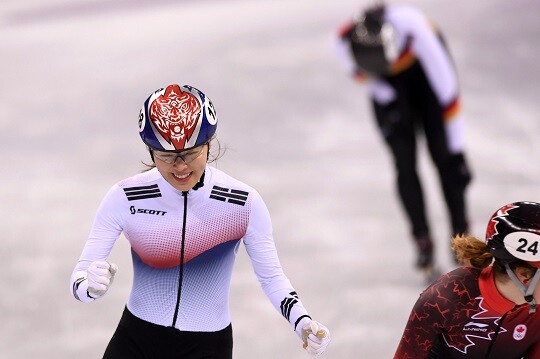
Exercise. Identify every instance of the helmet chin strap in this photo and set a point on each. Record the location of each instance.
(527, 291)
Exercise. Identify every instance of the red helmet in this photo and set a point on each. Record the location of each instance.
(513, 233)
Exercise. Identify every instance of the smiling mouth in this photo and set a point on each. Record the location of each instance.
(182, 177)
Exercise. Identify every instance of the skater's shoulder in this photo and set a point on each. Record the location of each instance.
(144, 178)
(460, 277)
(464, 274)
(466, 271)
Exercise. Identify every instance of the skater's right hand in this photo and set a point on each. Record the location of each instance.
(100, 277)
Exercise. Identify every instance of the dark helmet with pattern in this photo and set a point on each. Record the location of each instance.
(373, 42)
(513, 233)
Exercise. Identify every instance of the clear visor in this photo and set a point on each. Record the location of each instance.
(185, 156)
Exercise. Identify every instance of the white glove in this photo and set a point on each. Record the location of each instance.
(100, 277)
(315, 336)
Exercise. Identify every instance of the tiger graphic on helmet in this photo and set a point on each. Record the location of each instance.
(177, 118)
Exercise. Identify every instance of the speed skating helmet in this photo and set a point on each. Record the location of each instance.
(513, 233)
(373, 41)
(177, 118)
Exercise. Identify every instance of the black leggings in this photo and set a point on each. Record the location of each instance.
(138, 339)
(416, 108)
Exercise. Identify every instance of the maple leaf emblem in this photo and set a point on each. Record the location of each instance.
(476, 329)
(492, 225)
(520, 331)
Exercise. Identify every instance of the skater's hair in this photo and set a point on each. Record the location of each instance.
(472, 251)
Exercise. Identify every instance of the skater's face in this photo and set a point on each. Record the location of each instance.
(525, 275)
(536, 293)
(182, 169)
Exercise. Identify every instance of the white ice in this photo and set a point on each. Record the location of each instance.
(74, 74)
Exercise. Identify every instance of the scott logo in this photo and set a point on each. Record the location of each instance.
(134, 210)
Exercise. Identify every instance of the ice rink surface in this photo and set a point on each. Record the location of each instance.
(75, 73)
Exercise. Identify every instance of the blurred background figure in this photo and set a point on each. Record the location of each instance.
(492, 301)
(413, 86)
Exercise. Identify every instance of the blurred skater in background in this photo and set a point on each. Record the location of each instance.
(413, 86)
(184, 220)
(489, 308)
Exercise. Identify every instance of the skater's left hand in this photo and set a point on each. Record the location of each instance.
(314, 335)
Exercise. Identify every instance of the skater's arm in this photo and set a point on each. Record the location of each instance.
(433, 54)
(423, 329)
(92, 275)
(262, 252)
